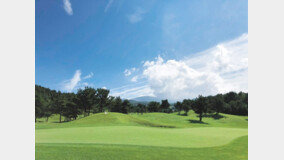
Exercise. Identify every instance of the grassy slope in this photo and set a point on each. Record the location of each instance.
(146, 136)
(192, 120)
(100, 119)
(236, 150)
(130, 136)
(148, 119)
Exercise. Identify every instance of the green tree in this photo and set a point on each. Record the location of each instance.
(165, 106)
(178, 106)
(47, 111)
(116, 105)
(231, 96)
(218, 103)
(102, 95)
(141, 108)
(125, 107)
(186, 105)
(58, 104)
(110, 102)
(39, 107)
(210, 104)
(153, 106)
(71, 110)
(200, 106)
(86, 99)
(42, 102)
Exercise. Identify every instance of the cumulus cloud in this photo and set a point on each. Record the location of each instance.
(220, 69)
(128, 72)
(68, 7)
(69, 85)
(136, 16)
(108, 5)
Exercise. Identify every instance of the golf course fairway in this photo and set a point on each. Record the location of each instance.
(120, 136)
(145, 136)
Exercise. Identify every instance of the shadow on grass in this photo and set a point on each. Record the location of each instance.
(196, 121)
(61, 122)
(214, 116)
(157, 125)
(184, 114)
(163, 126)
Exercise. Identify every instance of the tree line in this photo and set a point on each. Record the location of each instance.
(91, 100)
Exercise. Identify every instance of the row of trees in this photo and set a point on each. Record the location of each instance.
(90, 100)
(70, 105)
(230, 103)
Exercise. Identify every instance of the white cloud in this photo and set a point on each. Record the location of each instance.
(136, 16)
(131, 85)
(128, 72)
(69, 85)
(108, 5)
(133, 92)
(134, 79)
(85, 84)
(89, 76)
(220, 69)
(68, 7)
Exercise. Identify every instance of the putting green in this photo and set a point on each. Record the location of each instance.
(143, 136)
(235, 150)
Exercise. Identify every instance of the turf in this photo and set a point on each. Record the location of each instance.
(192, 120)
(149, 119)
(147, 136)
(236, 150)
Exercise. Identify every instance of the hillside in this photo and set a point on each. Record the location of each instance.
(135, 136)
(148, 119)
(235, 150)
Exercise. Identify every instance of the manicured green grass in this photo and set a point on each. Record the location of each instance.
(192, 120)
(147, 136)
(236, 150)
(99, 119)
(149, 119)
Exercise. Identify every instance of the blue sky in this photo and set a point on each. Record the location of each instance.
(138, 48)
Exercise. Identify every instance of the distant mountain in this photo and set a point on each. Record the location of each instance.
(143, 100)
(146, 99)
(137, 102)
